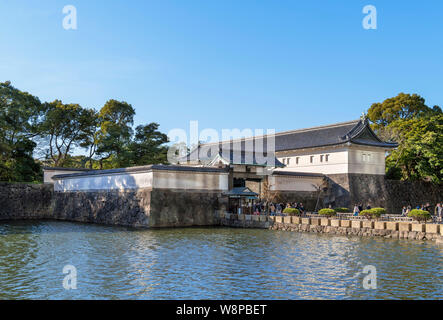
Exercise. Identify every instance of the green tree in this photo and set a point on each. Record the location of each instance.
(402, 107)
(116, 119)
(20, 113)
(420, 151)
(148, 146)
(417, 129)
(65, 127)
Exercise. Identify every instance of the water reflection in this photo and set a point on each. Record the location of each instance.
(209, 263)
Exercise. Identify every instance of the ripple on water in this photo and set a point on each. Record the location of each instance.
(209, 263)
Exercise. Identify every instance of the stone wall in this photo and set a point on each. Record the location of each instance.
(346, 190)
(140, 208)
(182, 208)
(369, 228)
(103, 207)
(134, 208)
(25, 201)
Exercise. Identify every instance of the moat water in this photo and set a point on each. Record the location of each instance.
(210, 263)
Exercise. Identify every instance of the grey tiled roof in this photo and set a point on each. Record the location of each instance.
(357, 132)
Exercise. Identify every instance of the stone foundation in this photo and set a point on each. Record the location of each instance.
(366, 228)
(346, 190)
(25, 201)
(134, 208)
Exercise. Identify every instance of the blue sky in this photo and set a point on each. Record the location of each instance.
(228, 64)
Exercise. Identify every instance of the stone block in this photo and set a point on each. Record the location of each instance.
(418, 227)
(380, 225)
(325, 222)
(241, 217)
(263, 218)
(305, 220)
(345, 223)
(248, 217)
(335, 223)
(279, 219)
(393, 226)
(227, 215)
(287, 219)
(368, 224)
(315, 221)
(296, 220)
(432, 228)
(356, 224)
(255, 218)
(404, 226)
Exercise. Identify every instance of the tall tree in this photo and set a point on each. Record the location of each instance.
(417, 128)
(148, 146)
(65, 127)
(116, 119)
(402, 107)
(20, 113)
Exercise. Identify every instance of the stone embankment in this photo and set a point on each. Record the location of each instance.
(370, 228)
(25, 201)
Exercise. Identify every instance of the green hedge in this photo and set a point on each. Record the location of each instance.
(373, 213)
(327, 212)
(419, 215)
(291, 211)
(342, 210)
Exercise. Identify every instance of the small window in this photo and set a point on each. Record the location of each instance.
(321, 158)
(312, 159)
(284, 161)
(288, 161)
(297, 160)
(369, 157)
(327, 157)
(364, 157)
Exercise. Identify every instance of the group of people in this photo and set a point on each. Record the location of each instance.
(437, 212)
(275, 209)
(359, 208)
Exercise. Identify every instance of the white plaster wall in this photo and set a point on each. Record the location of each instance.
(289, 183)
(152, 179)
(121, 181)
(48, 174)
(337, 160)
(372, 164)
(191, 180)
(340, 160)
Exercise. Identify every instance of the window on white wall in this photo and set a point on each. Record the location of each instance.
(366, 157)
(321, 158)
(288, 161)
(312, 159)
(284, 161)
(327, 157)
(297, 160)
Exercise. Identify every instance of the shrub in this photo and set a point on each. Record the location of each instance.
(377, 212)
(327, 212)
(342, 210)
(291, 211)
(419, 215)
(366, 213)
(373, 213)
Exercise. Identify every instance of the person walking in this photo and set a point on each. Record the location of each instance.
(438, 212)
(356, 210)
